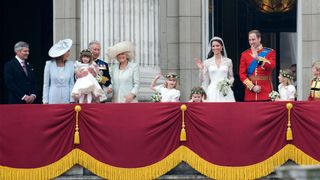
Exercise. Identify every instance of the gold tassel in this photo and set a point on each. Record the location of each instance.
(77, 108)
(289, 135)
(183, 133)
(76, 138)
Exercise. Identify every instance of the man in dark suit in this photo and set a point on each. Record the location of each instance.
(19, 77)
(103, 76)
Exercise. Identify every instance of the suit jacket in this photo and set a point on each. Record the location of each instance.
(104, 71)
(17, 82)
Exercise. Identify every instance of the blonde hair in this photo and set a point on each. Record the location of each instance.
(171, 76)
(166, 84)
(287, 75)
(316, 64)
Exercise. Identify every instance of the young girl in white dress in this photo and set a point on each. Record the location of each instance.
(197, 95)
(168, 90)
(286, 88)
(86, 88)
(216, 73)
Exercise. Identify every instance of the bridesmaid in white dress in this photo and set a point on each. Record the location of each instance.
(286, 88)
(124, 74)
(58, 78)
(214, 70)
(168, 90)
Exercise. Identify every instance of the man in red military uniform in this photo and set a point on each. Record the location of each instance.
(256, 66)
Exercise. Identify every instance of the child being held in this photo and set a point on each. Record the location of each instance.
(87, 87)
(197, 95)
(315, 83)
(286, 89)
(168, 90)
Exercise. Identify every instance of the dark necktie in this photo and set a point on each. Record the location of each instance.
(24, 67)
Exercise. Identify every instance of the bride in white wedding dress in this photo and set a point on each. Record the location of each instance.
(216, 73)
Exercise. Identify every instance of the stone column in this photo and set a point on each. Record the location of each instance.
(114, 21)
(66, 21)
(181, 41)
(308, 43)
(190, 43)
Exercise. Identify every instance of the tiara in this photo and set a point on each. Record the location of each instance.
(286, 75)
(171, 75)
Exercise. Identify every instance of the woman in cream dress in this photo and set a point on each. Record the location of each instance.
(124, 73)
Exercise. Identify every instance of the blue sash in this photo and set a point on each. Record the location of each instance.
(254, 64)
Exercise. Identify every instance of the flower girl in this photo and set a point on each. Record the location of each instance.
(286, 89)
(168, 90)
(197, 95)
(86, 88)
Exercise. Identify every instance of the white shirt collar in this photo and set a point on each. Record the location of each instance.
(20, 60)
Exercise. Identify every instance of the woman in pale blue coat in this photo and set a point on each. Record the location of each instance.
(124, 74)
(58, 75)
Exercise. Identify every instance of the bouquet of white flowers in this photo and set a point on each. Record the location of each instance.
(274, 95)
(224, 86)
(156, 97)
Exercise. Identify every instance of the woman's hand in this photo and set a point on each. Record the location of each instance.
(277, 99)
(199, 63)
(129, 97)
(109, 90)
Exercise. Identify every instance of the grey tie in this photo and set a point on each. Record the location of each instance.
(23, 64)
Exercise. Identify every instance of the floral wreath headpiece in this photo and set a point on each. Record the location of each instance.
(86, 52)
(286, 75)
(171, 75)
(197, 91)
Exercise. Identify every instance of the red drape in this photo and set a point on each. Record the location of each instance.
(141, 134)
(35, 135)
(236, 134)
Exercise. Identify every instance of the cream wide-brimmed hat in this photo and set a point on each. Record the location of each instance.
(124, 46)
(60, 48)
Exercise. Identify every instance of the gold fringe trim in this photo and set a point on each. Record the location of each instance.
(248, 83)
(148, 172)
(155, 170)
(254, 171)
(46, 172)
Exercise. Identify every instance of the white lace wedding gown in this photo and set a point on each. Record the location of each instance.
(212, 74)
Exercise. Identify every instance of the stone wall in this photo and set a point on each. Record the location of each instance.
(181, 41)
(308, 43)
(66, 23)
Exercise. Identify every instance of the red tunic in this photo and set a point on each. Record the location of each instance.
(261, 75)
